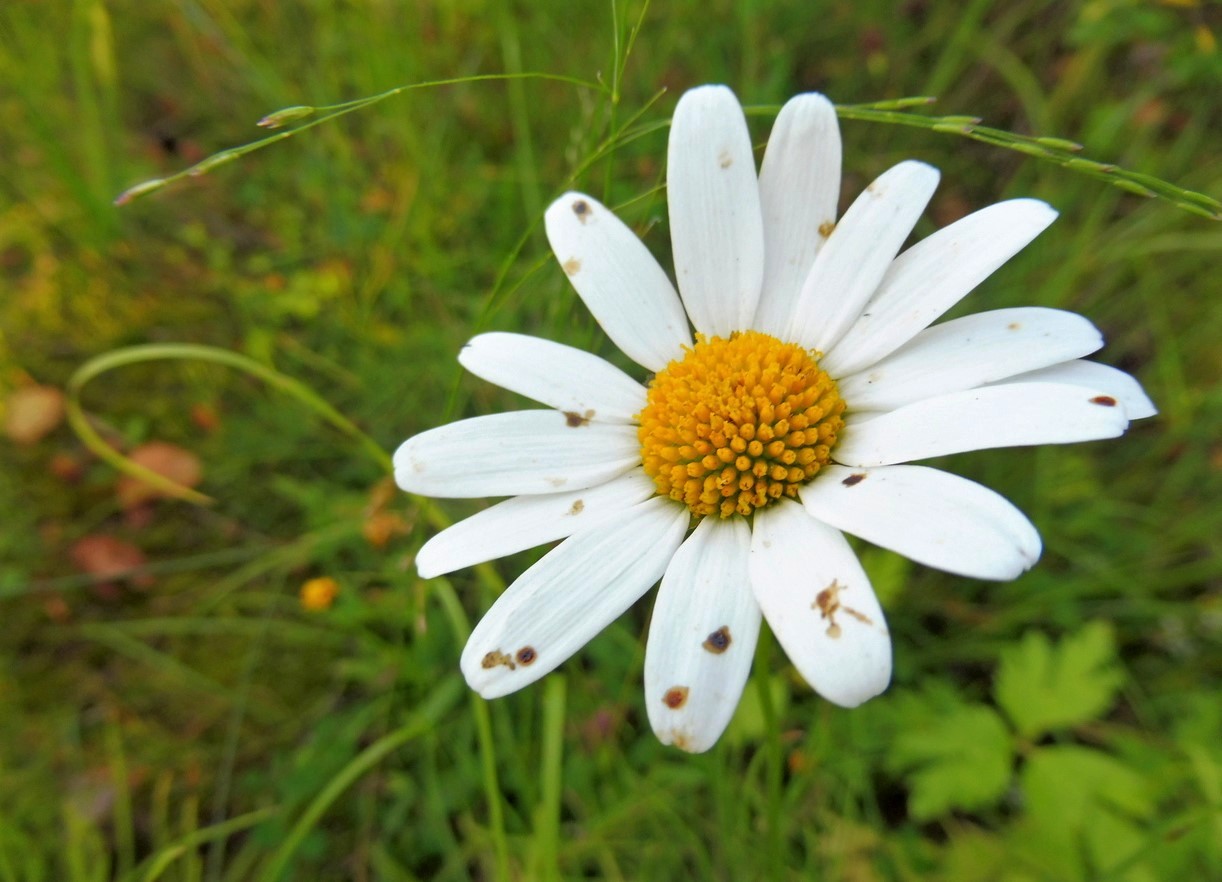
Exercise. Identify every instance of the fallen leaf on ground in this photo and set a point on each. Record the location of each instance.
(108, 557)
(168, 460)
(32, 413)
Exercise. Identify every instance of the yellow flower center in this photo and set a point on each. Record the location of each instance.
(736, 424)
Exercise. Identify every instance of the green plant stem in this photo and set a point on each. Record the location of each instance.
(551, 778)
(453, 609)
(426, 717)
(772, 749)
(157, 863)
(316, 116)
(124, 831)
(195, 352)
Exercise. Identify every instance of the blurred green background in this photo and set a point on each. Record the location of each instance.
(176, 704)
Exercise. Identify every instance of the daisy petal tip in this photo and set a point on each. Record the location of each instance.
(685, 740)
(922, 171)
(870, 679)
(407, 467)
(860, 693)
(1139, 406)
(427, 564)
(706, 95)
(1038, 209)
(811, 105)
(569, 208)
(484, 674)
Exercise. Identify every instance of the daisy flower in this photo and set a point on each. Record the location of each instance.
(784, 421)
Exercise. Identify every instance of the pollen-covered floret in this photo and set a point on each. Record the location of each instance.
(738, 423)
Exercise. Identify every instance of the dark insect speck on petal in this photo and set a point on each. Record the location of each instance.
(853, 479)
(527, 655)
(719, 641)
(1105, 400)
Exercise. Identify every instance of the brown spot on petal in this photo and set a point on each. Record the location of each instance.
(719, 641)
(577, 508)
(675, 697)
(526, 656)
(682, 740)
(572, 266)
(496, 658)
(575, 419)
(826, 229)
(854, 479)
(1014, 326)
(1105, 400)
(827, 602)
(581, 208)
(861, 617)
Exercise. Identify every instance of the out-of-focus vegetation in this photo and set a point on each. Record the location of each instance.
(259, 687)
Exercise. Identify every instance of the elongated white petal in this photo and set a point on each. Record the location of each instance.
(504, 454)
(851, 263)
(702, 636)
(969, 352)
(932, 276)
(526, 521)
(1008, 415)
(820, 605)
(568, 379)
(1092, 375)
(799, 191)
(572, 593)
(930, 516)
(716, 231)
(618, 279)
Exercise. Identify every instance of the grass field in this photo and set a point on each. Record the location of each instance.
(172, 706)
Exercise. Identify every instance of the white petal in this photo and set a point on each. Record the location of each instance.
(702, 636)
(572, 593)
(820, 605)
(524, 451)
(852, 261)
(715, 226)
(559, 376)
(930, 516)
(933, 275)
(618, 279)
(799, 191)
(1092, 375)
(969, 352)
(526, 521)
(1008, 415)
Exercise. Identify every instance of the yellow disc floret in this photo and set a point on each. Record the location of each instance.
(736, 424)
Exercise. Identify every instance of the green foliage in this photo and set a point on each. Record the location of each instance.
(1044, 688)
(958, 757)
(1083, 813)
(293, 313)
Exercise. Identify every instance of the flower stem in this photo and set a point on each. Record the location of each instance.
(453, 609)
(772, 749)
(551, 778)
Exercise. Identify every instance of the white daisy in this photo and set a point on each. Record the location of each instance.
(811, 378)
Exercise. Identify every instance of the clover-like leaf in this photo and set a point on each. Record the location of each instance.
(959, 759)
(1082, 811)
(1043, 687)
